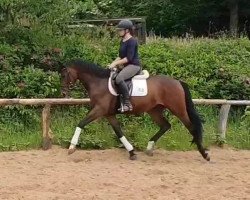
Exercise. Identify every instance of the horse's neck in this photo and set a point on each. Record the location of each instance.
(93, 84)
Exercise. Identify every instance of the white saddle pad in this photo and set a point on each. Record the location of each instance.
(139, 85)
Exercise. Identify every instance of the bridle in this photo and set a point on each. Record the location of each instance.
(69, 79)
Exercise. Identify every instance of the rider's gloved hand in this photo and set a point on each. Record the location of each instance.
(112, 65)
(112, 68)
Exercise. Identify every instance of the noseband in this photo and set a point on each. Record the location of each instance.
(68, 77)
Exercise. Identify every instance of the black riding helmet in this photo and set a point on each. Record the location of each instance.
(125, 24)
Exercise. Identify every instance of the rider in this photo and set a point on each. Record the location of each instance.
(128, 59)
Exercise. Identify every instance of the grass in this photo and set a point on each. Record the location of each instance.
(16, 138)
(99, 135)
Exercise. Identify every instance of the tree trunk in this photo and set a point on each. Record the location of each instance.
(234, 17)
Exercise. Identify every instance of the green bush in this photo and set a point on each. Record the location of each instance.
(28, 83)
(213, 68)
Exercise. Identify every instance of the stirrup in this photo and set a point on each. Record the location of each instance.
(125, 108)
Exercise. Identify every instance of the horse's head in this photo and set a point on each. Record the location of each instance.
(86, 72)
(68, 79)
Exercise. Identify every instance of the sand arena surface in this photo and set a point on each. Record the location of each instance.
(109, 174)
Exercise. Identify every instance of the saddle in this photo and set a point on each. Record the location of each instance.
(137, 85)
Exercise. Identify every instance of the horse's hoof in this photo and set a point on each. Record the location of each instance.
(207, 157)
(70, 151)
(133, 157)
(149, 152)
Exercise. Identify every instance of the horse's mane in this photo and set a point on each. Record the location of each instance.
(88, 67)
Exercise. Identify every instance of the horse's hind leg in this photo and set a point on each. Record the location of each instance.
(194, 129)
(157, 114)
(197, 140)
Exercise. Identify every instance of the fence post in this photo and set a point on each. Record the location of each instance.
(47, 133)
(222, 127)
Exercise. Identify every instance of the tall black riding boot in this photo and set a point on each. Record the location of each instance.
(123, 89)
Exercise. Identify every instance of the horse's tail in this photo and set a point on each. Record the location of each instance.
(196, 121)
(193, 115)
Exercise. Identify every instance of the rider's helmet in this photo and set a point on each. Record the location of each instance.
(125, 24)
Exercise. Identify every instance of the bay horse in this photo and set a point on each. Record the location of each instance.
(163, 93)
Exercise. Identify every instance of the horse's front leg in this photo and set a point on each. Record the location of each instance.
(117, 128)
(95, 113)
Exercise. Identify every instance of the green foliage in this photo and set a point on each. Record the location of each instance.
(30, 12)
(213, 68)
(171, 18)
(29, 83)
(246, 118)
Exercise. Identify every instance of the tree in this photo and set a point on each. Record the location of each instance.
(234, 16)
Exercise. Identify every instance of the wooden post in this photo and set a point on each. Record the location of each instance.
(144, 32)
(47, 133)
(223, 122)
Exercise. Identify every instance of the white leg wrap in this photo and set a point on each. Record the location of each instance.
(76, 135)
(126, 143)
(151, 145)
